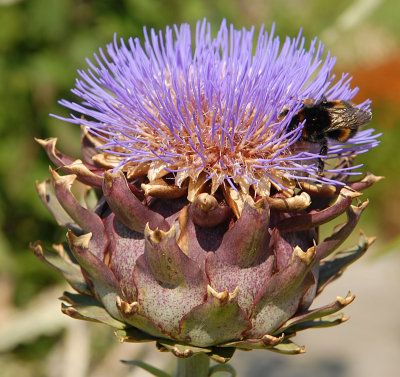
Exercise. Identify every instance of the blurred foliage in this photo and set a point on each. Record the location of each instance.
(44, 42)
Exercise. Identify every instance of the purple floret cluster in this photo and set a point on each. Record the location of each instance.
(211, 104)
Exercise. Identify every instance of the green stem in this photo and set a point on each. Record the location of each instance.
(195, 366)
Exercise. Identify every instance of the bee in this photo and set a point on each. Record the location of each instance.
(336, 120)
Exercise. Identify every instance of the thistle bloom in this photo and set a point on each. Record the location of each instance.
(204, 232)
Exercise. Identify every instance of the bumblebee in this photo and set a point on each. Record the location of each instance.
(336, 120)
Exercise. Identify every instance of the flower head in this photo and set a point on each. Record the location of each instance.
(211, 110)
(204, 236)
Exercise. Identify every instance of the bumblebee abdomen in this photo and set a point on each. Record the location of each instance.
(342, 134)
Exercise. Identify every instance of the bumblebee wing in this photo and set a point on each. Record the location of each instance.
(345, 115)
(346, 120)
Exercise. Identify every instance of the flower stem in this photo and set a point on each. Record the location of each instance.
(195, 366)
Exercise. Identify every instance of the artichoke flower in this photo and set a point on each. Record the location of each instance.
(197, 221)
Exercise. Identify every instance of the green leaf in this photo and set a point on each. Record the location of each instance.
(133, 335)
(154, 371)
(58, 259)
(182, 350)
(221, 355)
(88, 309)
(288, 347)
(327, 321)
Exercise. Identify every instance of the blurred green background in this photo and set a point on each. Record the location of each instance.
(44, 42)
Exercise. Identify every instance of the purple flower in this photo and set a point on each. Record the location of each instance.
(213, 106)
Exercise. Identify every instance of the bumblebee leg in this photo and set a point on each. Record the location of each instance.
(323, 99)
(321, 163)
